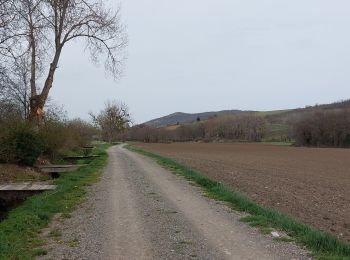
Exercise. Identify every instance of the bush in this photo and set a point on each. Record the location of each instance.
(21, 145)
(10, 116)
(55, 134)
(81, 132)
(61, 136)
(323, 129)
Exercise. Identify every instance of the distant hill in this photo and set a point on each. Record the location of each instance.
(183, 118)
(275, 117)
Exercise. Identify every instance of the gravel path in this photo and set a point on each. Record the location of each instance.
(310, 184)
(140, 211)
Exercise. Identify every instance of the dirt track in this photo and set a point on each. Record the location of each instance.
(310, 184)
(141, 211)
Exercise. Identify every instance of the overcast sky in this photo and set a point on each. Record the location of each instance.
(203, 55)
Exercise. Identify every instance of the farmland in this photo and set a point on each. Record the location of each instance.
(310, 184)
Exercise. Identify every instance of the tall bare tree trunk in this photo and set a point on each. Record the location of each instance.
(37, 102)
(36, 115)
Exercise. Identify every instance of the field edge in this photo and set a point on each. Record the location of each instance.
(322, 245)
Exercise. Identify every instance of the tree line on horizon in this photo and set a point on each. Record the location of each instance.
(317, 126)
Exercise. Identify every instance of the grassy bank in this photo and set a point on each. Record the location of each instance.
(323, 246)
(18, 232)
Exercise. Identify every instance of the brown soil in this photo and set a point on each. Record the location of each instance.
(310, 184)
(15, 173)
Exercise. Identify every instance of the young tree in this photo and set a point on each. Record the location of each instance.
(112, 120)
(42, 28)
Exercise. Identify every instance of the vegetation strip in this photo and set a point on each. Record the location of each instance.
(323, 245)
(18, 232)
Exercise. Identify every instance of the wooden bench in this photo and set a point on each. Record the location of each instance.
(12, 194)
(80, 157)
(88, 147)
(26, 186)
(19, 191)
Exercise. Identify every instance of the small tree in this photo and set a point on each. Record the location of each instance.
(112, 120)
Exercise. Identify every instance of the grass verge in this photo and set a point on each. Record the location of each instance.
(323, 245)
(18, 232)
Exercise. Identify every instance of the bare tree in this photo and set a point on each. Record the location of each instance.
(325, 128)
(42, 28)
(112, 120)
(14, 85)
(6, 16)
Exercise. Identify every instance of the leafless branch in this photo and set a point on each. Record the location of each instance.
(42, 28)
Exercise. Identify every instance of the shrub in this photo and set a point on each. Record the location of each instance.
(323, 128)
(61, 136)
(10, 116)
(21, 145)
(82, 132)
(55, 134)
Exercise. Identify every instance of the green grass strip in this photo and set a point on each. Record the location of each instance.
(19, 231)
(323, 245)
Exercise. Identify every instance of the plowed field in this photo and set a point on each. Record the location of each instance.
(310, 184)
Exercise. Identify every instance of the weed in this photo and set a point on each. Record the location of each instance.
(256, 221)
(39, 252)
(186, 242)
(73, 243)
(66, 215)
(266, 230)
(37, 242)
(55, 233)
(182, 244)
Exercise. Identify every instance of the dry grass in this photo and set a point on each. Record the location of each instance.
(15, 173)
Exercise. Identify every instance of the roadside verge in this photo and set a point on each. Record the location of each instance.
(323, 245)
(19, 231)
